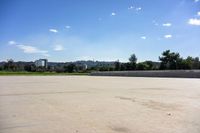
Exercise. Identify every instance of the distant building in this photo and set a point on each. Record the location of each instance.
(41, 63)
(85, 67)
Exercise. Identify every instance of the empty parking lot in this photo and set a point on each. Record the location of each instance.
(85, 104)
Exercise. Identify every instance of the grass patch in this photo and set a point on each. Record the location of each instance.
(6, 73)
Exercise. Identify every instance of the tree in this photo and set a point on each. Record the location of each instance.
(193, 62)
(169, 60)
(104, 68)
(189, 61)
(117, 65)
(123, 67)
(147, 65)
(30, 67)
(130, 66)
(164, 59)
(196, 63)
(132, 60)
(182, 64)
(60, 69)
(70, 68)
(142, 66)
(10, 65)
(27, 67)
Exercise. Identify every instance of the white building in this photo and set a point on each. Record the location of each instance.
(41, 63)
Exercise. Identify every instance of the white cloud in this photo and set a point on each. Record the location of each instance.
(113, 14)
(135, 8)
(138, 8)
(53, 30)
(194, 21)
(67, 27)
(12, 43)
(131, 7)
(29, 49)
(167, 24)
(196, 0)
(155, 23)
(143, 37)
(58, 48)
(198, 13)
(167, 36)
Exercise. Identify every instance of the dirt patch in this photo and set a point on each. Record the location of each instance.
(120, 129)
(152, 104)
(160, 105)
(126, 98)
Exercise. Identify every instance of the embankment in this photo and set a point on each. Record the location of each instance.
(155, 73)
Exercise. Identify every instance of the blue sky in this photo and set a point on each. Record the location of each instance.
(69, 30)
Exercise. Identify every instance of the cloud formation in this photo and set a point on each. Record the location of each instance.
(196, 0)
(155, 23)
(67, 27)
(12, 43)
(143, 37)
(167, 24)
(198, 13)
(29, 49)
(194, 21)
(58, 48)
(138, 8)
(113, 14)
(167, 36)
(135, 8)
(53, 30)
(131, 7)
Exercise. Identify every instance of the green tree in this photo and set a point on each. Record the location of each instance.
(147, 65)
(70, 68)
(27, 67)
(10, 65)
(150, 65)
(133, 58)
(133, 61)
(193, 63)
(117, 65)
(30, 67)
(123, 67)
(142, 66)
(169, 60)
(196, 63)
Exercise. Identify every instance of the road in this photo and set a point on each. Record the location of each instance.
(87, 104)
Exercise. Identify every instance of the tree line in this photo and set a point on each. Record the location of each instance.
(167, 61)
(10, 65)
